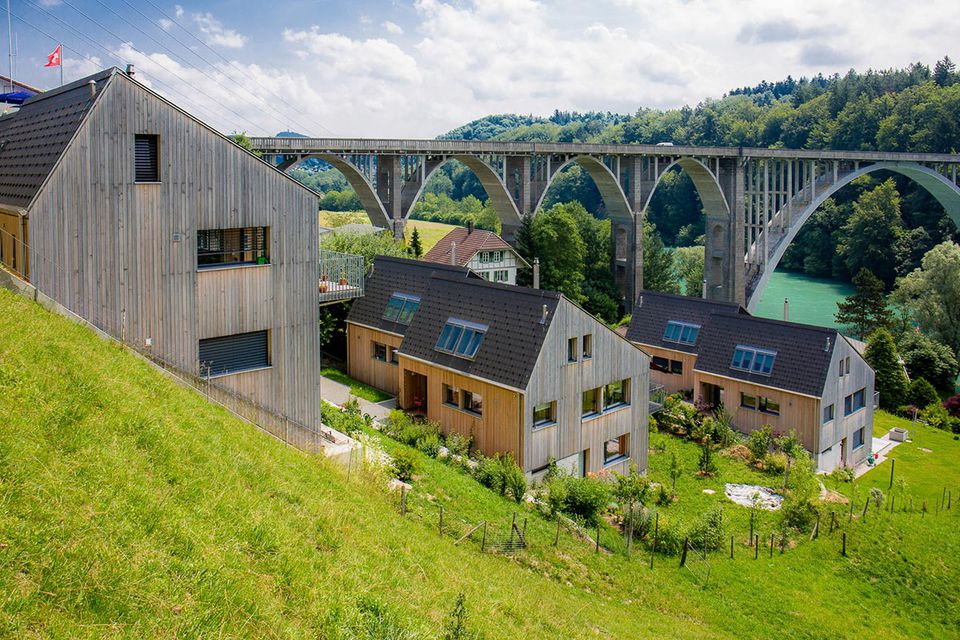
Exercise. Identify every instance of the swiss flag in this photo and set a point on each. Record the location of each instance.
(55, 58)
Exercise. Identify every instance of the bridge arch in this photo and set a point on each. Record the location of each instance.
(711, 194)
(357, 180)
(612, 194)
(497, 194)
(939, 186)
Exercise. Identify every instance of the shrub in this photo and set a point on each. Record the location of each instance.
(707, 531)
(580, 498)
(790, 445)
(723, 433)
(406, 463)
(775, 463)
(429, 444)
(630, 489)
(921, 393)
(876, 497)
(352, 406)
(515, 480)
(669, 539)
(936, 416)
(458, 445)
(502, 475)
(489, 473)
(642, 520)
(663, 496)
(842, 474)
(759, 442)
(952, 405)
(706, 464)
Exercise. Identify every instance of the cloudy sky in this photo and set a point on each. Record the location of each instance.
(417, 68)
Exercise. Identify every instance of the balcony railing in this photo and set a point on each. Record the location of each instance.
(341, 276)
(657, 395)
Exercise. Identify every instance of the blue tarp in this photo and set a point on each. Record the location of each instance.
(15, 97)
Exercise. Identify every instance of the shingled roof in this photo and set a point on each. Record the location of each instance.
(654, 310)
(803, 351)
(513, 315)
(470, 241)
(395, 275)
(33, 138)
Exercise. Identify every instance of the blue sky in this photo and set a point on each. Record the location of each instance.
(417, 68)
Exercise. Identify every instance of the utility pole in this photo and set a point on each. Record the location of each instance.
(10, 42)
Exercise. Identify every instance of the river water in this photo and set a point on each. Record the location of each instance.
(812, 300)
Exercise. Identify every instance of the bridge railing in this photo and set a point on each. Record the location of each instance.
(341, 276)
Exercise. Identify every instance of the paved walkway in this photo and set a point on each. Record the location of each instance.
(338, 394)
(881, 448)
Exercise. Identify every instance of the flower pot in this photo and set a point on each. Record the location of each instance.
(343, 281)
(323, 287)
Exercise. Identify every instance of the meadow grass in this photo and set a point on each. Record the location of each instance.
(131, 507)
(357, 388)
(430, 232)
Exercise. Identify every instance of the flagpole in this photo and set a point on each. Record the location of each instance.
(60, 46)
(10, 38)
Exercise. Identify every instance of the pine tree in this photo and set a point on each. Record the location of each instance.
(866, 309)
(416, 246)
(523, 243)
(891, 381)
(943, 72)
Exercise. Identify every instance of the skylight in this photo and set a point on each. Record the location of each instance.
(401, 307)
(461, 338)
(753, 360)
(682, 332)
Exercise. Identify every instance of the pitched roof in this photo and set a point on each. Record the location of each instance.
(469, 243)
(654, 310)
(803, 351)
(390, 275)
(33, 138)
(515, 334)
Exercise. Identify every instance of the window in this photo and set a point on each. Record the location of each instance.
(394, 358)
(591, 403)
(572, 350)
(660, 364)
(380, 352)
(676, 367)
(615, 450)
(543, 414)
(753, 360)
(226, 247)
(473, 402)
(769, 405)
(451, 396)
(401, 307)
(841, 367)
(827, 413)
(748, 401)
(461, 338)
(615, 394)
(501, 276)
(588, 346)
(147, 158)
(681, 332)
(858, 438)
(232, 354)
(854, 402)
(491, 256)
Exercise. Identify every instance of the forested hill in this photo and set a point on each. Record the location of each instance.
(911, 109)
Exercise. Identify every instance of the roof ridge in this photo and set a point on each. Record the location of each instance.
(420, 263)
(76, 84)
(780, 323)
(511, 288)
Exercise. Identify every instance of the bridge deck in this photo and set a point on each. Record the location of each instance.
(453, 147)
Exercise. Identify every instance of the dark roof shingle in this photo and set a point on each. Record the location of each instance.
(803, 351)
(654, 310)
(513, 315)
(34, 138)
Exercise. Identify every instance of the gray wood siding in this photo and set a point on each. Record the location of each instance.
(835, 389)
(123, 255)
(554, 379)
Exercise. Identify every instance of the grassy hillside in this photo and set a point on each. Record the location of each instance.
(133, 508)
(430, 232)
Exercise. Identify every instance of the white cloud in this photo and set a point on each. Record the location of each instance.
(216, 33)
(392, 27)
(165, 24)
(178, 11)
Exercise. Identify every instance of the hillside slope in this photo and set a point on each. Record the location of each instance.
(133, 508)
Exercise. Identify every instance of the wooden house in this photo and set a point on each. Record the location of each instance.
(483, 252)
(138, 217)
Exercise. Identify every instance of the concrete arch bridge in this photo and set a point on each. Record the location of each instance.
(754, 200)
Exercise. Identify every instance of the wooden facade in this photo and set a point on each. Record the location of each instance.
(14, 240)
(496, 430)
(361, 363)
(123, 254)
(672, 382)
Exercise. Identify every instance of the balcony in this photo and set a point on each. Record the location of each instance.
(341, 276)
(657, 395)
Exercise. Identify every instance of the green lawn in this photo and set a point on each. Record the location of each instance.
(430, 232)
(133, 508)
(357, 388)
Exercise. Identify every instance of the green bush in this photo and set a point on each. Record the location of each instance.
(406, 463)
(775, 463)
(922, 394)
(501, 474)
(669, 539)
(706, 465)
(429, 444)
(790, 445)
(515, 481)
(458, 445)
(759, 442)
(842, 474)
(583, 499)
(708, 532)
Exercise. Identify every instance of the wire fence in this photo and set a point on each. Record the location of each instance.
(311, 439)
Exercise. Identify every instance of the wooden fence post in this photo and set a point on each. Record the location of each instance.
(756, 547)
(771, 545)
(441, 521)
(892, 465)
(656, 532)
(731, 547)
(816, 527)
(349, 464)
(866, 504)
(598, 538)
(683, 555)
(843, 550)
(851, 509)
(483, 543)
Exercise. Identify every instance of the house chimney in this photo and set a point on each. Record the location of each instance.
(827, 347)
(453, 253)
(469, 227)
(92, 86)
(536, 273)
(786, 309)
(543, 315)
(704, 287)
(131, 71)
(640, 302)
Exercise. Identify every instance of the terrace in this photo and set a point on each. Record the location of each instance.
(341, 276)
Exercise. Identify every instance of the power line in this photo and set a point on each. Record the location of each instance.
(232, 63)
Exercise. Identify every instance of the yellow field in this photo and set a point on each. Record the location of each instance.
(430, 232)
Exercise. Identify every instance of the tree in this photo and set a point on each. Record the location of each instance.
(866, 309)
(241, 139)
(926, 358)
(921, 394)
(930, 295)
(557, 242)
(657, 262)
(871, 233)
(523, 243)
(943, 72)
(890, 381)
(688, 267)
(416, 246)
